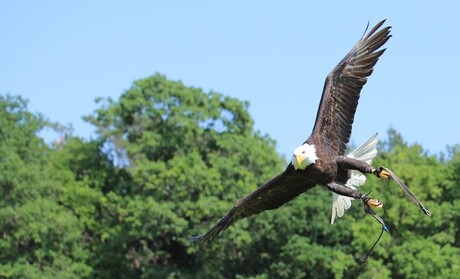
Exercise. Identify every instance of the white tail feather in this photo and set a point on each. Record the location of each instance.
(366, 152)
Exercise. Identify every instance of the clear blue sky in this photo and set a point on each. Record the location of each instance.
(61, 55)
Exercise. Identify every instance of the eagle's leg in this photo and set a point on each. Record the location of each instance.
(380, 172)
(363, 167)
(353, 193)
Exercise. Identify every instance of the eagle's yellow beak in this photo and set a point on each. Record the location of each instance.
(298, 159)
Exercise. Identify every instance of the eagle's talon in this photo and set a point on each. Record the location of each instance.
(375, 203)
(371, 202)
(382, 173)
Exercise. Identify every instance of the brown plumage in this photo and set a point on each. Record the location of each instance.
(330, 137)
(342, 88)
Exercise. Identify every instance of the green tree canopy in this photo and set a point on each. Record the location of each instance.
(189, 155)
(167, 162)
(41, 237)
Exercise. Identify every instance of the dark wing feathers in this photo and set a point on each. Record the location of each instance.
(342, 88)
(271, 195)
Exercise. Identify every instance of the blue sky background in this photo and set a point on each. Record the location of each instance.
(61, 55)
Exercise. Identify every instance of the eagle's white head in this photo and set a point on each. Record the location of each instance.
(304, 156)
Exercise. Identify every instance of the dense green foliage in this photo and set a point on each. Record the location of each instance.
(167, 163)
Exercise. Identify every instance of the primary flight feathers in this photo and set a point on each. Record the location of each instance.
(343, 85)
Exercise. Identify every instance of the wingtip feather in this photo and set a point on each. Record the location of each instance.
(223, 224)
(209, 236)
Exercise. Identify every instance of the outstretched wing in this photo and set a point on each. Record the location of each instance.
(342, 88)
(366, 153)
(271, 195)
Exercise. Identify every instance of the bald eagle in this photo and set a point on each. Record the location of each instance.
(321, 159)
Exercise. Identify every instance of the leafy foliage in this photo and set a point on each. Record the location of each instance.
(40, 236)
(168, 162)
